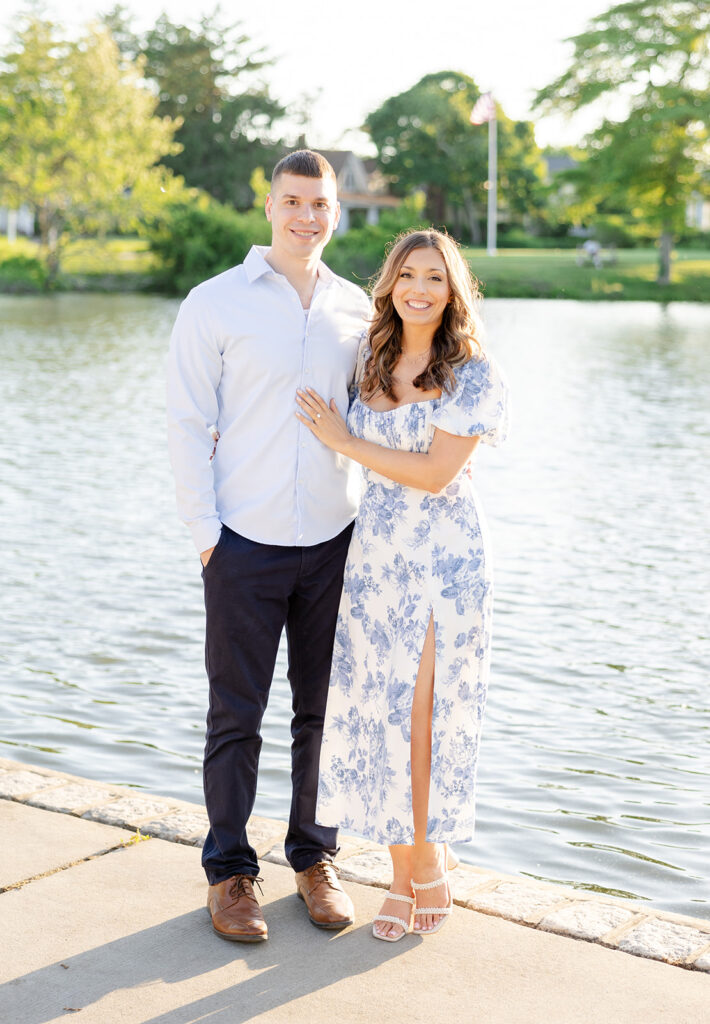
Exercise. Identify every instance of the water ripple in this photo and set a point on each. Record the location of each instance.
(595, 763)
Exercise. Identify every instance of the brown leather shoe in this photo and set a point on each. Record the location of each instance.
(235, 913)
(328, 905)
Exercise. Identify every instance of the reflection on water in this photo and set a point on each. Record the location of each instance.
(595, 765)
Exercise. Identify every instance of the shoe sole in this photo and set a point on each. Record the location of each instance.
(239, 938)
(331, 926)
(236, 938)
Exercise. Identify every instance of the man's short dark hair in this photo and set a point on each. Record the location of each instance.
(305, 162)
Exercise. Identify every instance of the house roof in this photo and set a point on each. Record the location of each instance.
(336, 158)
(555, 164)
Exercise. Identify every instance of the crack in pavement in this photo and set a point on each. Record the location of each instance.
(123, 845)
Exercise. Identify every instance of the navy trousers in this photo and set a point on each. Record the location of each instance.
(251, 592)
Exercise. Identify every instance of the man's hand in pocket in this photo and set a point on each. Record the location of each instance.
(206, 555)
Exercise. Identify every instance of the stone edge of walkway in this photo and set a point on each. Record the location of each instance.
(675, 939)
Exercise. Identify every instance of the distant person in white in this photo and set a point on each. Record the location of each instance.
(271, 511)
(594, 251)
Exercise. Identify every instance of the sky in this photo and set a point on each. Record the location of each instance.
(351, 57)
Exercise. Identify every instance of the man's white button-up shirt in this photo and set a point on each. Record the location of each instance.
(241, 345)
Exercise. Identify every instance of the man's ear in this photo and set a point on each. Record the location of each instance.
(337, 216)
(268, 205)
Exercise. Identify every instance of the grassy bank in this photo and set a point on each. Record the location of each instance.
(554, 274)
(126, 264)
(87, 264)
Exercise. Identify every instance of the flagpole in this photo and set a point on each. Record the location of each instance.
(484, 109)
(492, 184)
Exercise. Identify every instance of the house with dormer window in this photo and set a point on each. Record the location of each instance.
(362, 190)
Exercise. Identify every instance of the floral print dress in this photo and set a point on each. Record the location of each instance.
(412, 554)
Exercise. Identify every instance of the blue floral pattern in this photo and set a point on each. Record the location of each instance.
(412, 554)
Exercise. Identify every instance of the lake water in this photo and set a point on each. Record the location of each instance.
(595, 763)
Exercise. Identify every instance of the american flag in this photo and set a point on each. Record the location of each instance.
(484, 109)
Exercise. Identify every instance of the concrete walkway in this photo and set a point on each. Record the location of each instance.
(103, 925)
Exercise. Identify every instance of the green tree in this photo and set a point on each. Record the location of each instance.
(653, 58)
(425, 140)
(208, 77)
(118, 22)
(521, 169)
(79, 140)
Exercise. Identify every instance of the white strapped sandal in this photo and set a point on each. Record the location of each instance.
(442, 911)
(407, 925)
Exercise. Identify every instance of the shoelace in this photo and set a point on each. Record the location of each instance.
(320, 872)
(241, 888)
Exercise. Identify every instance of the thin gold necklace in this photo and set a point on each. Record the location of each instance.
(418, 358)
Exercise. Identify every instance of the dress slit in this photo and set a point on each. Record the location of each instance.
(427, 710)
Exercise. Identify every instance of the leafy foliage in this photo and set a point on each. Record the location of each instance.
(22, 273)
(79, 139)
(207, 77)
(641, 44)
(653, 57)
(424, 139)
(199, 237)
(358, 254)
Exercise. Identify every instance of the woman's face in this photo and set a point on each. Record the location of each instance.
(421, 291)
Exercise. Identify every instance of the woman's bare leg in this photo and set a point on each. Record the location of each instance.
(423, 861)
(428, 859)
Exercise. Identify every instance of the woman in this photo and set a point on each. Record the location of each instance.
(410, 664)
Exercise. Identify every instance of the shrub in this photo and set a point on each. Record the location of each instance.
(693, 238)
(613, 231)
(197, 239)
(358, 254)
(516, 238)
(22, 274)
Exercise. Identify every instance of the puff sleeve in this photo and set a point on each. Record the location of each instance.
(478, 405)
(363, 354)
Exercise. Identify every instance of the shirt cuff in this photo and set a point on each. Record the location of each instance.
(205, 532)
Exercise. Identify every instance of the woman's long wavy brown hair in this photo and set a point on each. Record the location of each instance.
(457, 336)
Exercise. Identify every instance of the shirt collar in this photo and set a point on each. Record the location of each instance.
(256, 266)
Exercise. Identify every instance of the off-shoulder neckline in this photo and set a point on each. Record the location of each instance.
(425, 401)
(403, 405)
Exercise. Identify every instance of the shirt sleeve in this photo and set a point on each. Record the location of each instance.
(194, 372)
(478, 405)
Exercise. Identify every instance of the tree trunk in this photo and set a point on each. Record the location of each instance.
(664, 255)
(474, 226)
(436, 204)
(49, 241)
(457, 221)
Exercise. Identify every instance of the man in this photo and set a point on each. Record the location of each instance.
(270, 510)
